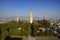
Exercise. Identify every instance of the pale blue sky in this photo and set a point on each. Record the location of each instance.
(22, 8)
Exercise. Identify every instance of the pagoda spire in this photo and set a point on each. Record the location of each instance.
(31, 17)
(44, 16)
(17, 19)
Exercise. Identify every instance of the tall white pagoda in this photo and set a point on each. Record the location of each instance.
(31, 17)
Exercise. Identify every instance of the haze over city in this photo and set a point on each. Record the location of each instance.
(51, 8)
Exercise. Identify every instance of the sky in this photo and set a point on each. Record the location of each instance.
(50, 8)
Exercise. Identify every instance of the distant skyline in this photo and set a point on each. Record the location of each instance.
(50, 8)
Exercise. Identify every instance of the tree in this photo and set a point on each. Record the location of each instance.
(46, 23)
(0, 31)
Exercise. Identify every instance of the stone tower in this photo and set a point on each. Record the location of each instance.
(17, 19)
(31, 18)
(44, 17)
